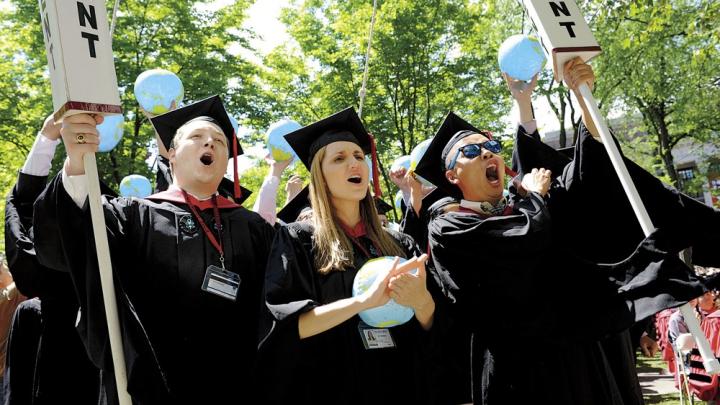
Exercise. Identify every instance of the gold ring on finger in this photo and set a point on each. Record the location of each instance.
(80, 139)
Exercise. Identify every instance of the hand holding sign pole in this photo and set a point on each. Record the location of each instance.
(564, 36)
(82, 74)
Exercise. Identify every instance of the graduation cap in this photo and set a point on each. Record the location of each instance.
(382, 206)
(227, 189)
(295, 207)
(342, 126)
(211, 110)
(432, 165)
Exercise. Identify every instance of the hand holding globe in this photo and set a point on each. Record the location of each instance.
(521, 57)
(372, 286)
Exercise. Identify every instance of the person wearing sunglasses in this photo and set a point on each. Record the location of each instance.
(489, 248)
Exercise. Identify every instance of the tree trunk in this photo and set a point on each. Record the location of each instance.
(666, 150)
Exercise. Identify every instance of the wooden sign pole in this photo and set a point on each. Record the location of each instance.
(565, 35)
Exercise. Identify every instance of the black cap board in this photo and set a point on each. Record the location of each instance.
(295, 207)
(382, 206)
(341, 126)
(210, 109)
(432, 166)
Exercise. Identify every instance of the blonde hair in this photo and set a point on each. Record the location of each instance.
(332, 248)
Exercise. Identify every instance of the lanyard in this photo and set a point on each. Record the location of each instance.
(217, 243)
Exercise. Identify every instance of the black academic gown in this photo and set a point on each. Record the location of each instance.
(182, 345)
(524, 264)
(592, 211)
(40, 376)
(451, 361)
(333, 367)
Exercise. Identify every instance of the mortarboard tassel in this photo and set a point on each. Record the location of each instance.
(236, 180)
(376, 177)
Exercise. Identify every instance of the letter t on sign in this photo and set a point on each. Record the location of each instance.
(85, 17)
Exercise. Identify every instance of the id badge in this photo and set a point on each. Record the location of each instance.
(375, 338)
(221, 282)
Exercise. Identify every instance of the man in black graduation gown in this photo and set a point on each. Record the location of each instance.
(188, 263)
(41, 350)
(492, 255)
(669, 209)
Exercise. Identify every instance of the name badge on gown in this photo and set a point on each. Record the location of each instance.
(221, 282)
(375, 338)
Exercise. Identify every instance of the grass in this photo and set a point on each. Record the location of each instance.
(656, 365)
(664, 399)
(650, 364)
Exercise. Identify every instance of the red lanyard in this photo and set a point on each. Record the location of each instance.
(208, 232)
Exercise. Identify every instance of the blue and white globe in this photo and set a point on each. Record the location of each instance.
(234, 124)
(398, 200)
(111, 132)
(521, 57)
(402, 161)
(135, 185)
(388, 315)
(368, 161)
(156, 89)
(279, 148)
(417, 153)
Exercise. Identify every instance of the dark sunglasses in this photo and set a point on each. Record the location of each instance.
(474, 150)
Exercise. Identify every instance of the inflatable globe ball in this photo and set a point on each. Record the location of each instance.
(156, 89)
(135, 185)
(402, 161)
(368, 162)
(111, 132)
(388, 315)
(279, 149)
(398, 200)
(521, 57)
(415, 156)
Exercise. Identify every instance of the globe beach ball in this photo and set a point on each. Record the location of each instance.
(277, 145)
(234, 124)
(415, 156)
(111, 132)
(521, 57)
(398, 200)
(368, 161)
(402, 161)
(388, 315)
(135, 185)
(156, 89)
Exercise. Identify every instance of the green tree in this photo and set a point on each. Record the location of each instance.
(176, 35)
(426, 59)
(661, 58)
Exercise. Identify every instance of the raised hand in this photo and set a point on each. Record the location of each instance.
(537, 181)
(80, 136)
(50, 129)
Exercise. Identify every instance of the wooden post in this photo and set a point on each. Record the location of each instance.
(83, 79)
(564, 36)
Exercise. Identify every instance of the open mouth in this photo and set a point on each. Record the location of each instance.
(355, 179)
(491, 173)
(207, 159)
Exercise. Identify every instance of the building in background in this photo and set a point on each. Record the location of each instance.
(697, 165)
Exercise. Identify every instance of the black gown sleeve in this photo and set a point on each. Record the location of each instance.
(289, 279)
(163, 177)
(594, 188)
(19, 246)
(67, 244)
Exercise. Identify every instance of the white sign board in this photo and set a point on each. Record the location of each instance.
(80, 58)
(563, 32)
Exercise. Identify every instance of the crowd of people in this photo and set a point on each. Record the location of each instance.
(524, 293)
